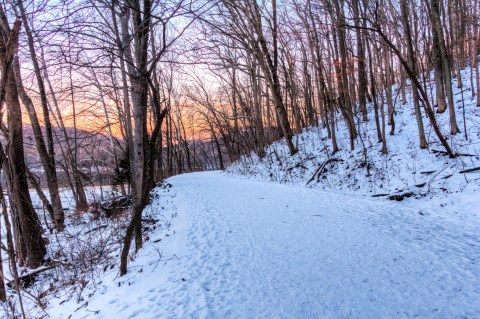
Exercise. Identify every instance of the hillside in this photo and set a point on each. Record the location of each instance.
(406, 168)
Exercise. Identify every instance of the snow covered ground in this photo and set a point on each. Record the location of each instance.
(236, 248)
(403, 169)
(256, 243)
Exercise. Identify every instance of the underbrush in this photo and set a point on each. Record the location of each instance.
(78, 258)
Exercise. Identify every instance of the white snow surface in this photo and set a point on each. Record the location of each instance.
(401, 170)
(238, 248)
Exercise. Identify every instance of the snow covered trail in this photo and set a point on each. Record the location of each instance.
(249, 249)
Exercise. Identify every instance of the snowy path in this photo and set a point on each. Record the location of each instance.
(255, 250)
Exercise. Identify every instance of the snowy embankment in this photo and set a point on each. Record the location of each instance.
(78, 259)
(406, 168)
(237, 248)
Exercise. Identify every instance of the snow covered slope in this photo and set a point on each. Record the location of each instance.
(404, 168)
(245, 249)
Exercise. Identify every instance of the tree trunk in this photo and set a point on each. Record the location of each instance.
(45, 149)
(445, 63)
(362, 74)
(28, 230)
(404, 7)
(343, 85)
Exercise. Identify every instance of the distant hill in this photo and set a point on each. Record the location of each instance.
(89, 144)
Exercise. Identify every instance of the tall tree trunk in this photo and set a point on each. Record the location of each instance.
(343, 84)
(138, 76)
(445, 63)
(28, 230)
(404, 7)
(374, 93)
(48, 163)
(277, 95)
(475, 59)
(45, 149)
(388, 90)
(362, 73)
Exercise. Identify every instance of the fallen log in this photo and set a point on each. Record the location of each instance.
(96, 228)
(470, 170)
(320, 169)
(400, 197)
(116, 205)
(456, 154)
(427, 172)
(29, 278)
(380, 195)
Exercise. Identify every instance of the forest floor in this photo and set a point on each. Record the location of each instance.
(237, 248)
(427, 173)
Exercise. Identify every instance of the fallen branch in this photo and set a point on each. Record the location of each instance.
(320, 169)
(151, 221)
(96, 228)
(400, 197)
(471, 170)
(29, 278)
(456, 154)
(466, 155)
(427, 172)
(300, 164)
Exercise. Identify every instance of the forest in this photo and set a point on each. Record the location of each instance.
(103, 101)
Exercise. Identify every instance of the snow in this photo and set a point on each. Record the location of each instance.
(258, 242)
(401, 169)
(238, 248)
(78, 255)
